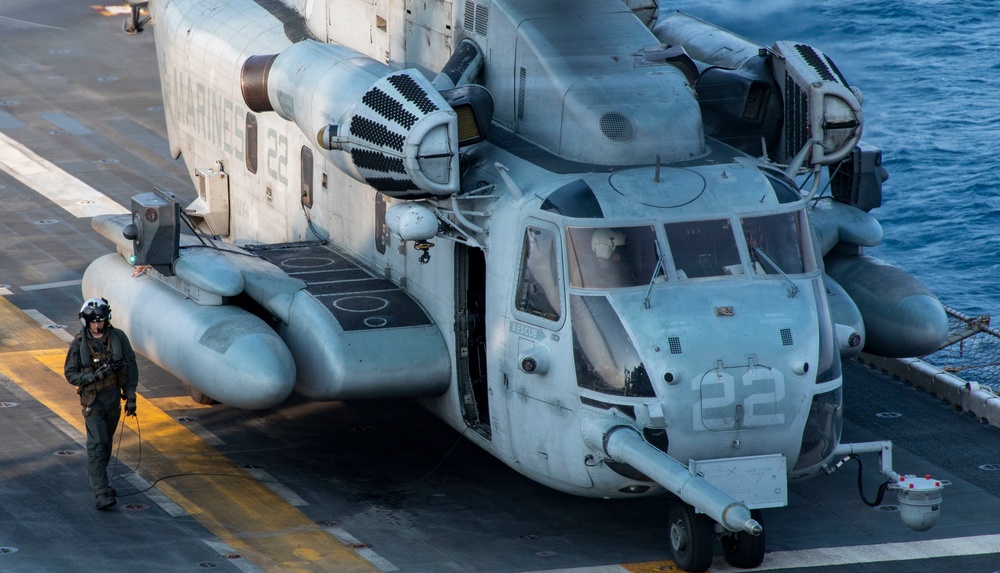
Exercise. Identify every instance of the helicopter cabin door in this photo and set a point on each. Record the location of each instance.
(470, 332)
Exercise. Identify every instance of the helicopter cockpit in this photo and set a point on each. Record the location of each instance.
(625, 257)
(602, 261)
(605, 258)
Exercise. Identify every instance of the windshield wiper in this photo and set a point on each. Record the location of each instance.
(792, 288)
(656, 273)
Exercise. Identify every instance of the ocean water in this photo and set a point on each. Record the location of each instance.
(930, 74)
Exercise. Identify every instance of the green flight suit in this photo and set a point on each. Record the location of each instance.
(101, 399)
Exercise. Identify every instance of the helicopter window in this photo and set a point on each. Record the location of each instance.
(824, 425)
(574, 199)
(538, 286)
(783, 189)
(704, 248)
(606, 360)
(777, 241)
(611, 258)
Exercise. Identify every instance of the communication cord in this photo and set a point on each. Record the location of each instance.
(138, 464)
(121, 431)
(138, 431)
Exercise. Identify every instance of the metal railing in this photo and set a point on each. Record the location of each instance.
(972, 351)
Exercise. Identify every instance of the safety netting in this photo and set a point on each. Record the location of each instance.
(972, 351)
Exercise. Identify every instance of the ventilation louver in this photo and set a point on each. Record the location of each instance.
(616, 127)
(477, 18)
(786, 337)
(675, 344)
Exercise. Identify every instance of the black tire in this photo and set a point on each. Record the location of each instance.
(692, 540)
(742, 549)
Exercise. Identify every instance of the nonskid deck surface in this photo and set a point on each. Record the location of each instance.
(384, 481)
(355, 297)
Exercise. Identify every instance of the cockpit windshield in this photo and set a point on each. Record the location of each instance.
(605, 258)
(606, 360)
(704, 248)
(776, 244)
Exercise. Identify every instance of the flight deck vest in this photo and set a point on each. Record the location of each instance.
(95, 353)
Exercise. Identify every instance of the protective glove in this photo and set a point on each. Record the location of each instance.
(130, 407)
(101, 372)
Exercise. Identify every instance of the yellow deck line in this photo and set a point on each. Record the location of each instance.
(650, 567)
(245, 514)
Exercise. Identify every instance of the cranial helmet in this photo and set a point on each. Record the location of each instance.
(95, 309)
(604, 242)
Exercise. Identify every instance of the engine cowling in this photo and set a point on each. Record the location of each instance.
(389, 129)
(792, 95)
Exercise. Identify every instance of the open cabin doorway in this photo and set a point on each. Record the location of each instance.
(470, 332)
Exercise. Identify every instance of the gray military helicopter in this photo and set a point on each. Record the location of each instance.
(621, 249)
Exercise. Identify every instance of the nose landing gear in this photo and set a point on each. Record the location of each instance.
(692, 541)
(742, 549)
(691, 538)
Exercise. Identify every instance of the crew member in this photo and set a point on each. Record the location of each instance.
(612, 270)
(101, 364)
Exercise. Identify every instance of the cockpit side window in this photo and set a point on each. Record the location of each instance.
(703, 248)
(538, 285)
(605, 258)
(606, 360)
(777, 241)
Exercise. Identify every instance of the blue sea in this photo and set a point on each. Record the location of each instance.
(930, 74)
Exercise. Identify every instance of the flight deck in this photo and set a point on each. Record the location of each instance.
(338, 486)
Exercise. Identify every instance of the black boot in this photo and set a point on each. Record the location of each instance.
(105, 501)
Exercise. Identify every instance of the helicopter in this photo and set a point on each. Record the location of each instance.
(592, 236)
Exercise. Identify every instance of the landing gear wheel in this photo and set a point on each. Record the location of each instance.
(742, 549)
(134, 23)
(200, 398)
(691, 538)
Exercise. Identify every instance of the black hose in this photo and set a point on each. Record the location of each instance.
(861, 489)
